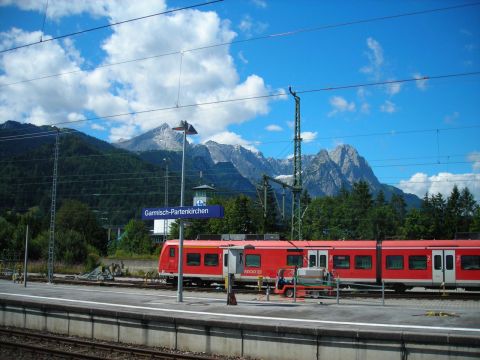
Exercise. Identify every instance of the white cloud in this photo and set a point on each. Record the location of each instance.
(339, 105)
(260, 3)
(393, 89)
(44, 101)
(273, 128)
(251, 27)
(206, 76)
(422, 82)
(242, 57)
(375, 58)
(98, 127)
(308, 136)
(451, 118)
(365, 108)
(421, 183)
(474, 157)
(231, 138)
(388, 107)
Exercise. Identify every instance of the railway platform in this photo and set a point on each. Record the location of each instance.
(256, 328)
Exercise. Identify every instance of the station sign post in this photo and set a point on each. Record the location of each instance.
(182, 212)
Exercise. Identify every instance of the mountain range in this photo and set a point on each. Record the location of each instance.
(324, 173)
(129, 175)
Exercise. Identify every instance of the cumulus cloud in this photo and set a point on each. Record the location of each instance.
(274, 128)
(339, 105)
(205, 76)
(393, 89)
(231, 138)
(250, 27)
(375, 58)
(422, 82)
(474, 157)
(420, 183)
(260, 3)
(308, 136)
(45, 101)
(388, 107)
(451, 118)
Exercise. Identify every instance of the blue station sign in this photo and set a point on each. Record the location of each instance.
(183, 212)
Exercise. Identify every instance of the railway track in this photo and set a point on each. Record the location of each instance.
(15, 343)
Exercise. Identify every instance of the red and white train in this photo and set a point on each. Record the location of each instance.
(401, 264)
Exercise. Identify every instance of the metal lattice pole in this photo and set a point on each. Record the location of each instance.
(297, 173)
(51, 241)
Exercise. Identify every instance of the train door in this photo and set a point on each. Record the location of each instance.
(318, 258)
(225, 263)
(443, 266)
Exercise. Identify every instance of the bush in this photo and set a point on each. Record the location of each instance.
(92, 261)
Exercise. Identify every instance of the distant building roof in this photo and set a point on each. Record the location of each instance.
(204, 187)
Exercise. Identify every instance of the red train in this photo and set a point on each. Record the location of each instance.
(401, 264)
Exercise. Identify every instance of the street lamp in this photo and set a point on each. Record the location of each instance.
(187, 129)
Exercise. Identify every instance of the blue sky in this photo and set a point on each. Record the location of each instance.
(418, 135)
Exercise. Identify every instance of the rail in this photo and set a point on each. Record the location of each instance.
(59, 346)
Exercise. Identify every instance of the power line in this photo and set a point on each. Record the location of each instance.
(271, 95)
(264, 37)
(109, 25)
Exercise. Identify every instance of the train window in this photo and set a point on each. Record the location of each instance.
(312, 260)
(341, 261)
(363, 262)
(172, 252)
(225, 260)
(395, 262)
(437, 262)
(210, 259)
(294, 260)
(449, 262)
(323, 261)
(417, 262)
(193, 259)
(470, 262)
(252, 260)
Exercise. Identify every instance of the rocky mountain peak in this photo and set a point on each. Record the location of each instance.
(160, 138)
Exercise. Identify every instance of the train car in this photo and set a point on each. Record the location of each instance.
(431, 264)
(400, 264)
(204, 259)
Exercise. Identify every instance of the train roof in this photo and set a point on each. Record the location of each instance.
(278, 244)
(327, 244)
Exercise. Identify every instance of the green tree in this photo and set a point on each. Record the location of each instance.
(415, 226)
(6, 234)
(75, 215)
(468, 207)
(70, 247)
(359, 206)
(136, 239)
(453, 213)
(240, 217)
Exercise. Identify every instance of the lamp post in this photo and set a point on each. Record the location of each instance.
(165, 222)
(187, 129)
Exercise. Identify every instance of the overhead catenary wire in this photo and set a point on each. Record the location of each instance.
(109, 25)
(264, 37)
(268, 95)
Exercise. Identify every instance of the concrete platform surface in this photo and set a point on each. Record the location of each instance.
(460, 317)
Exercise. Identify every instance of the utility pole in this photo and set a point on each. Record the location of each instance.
(25, 263)
(51, 241)
(296, 187)
(297, 173)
